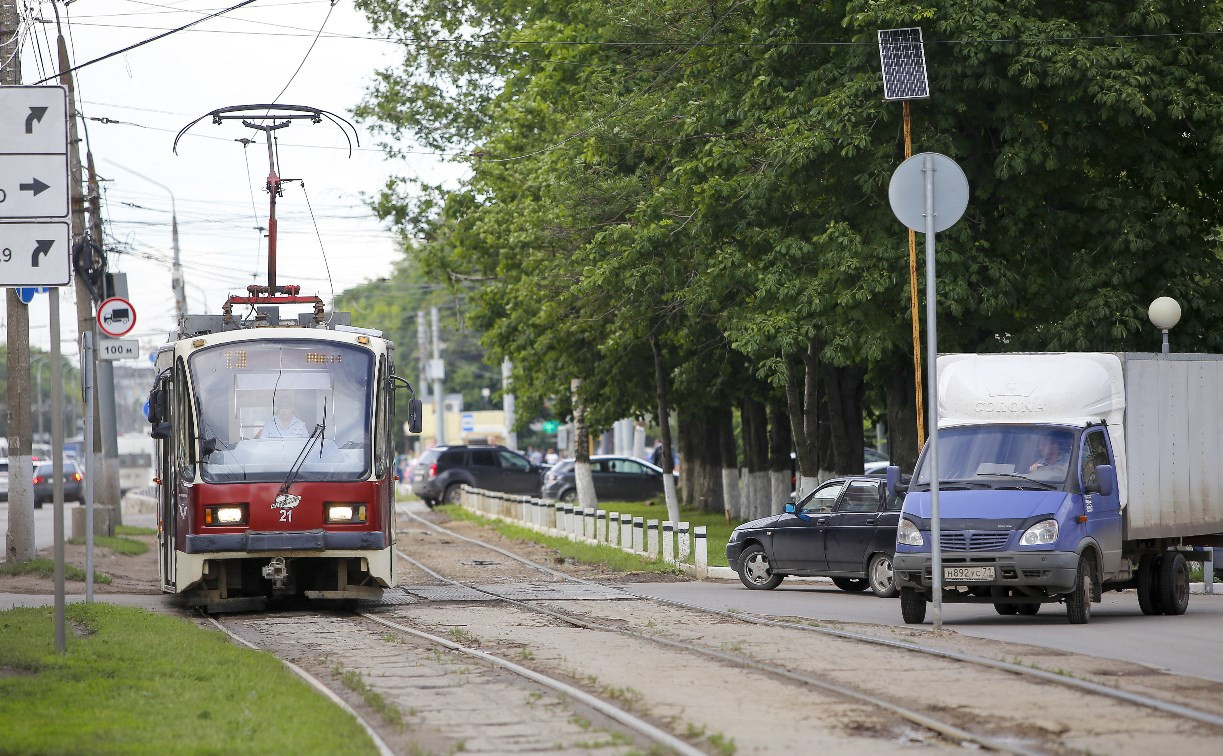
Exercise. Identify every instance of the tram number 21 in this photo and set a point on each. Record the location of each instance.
(286, 515)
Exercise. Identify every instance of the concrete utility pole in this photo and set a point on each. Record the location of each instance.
(20, 542)
(437, 371)
(422, 352)
(507, 404)
(105, 371)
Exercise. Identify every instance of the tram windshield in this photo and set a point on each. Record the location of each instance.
(265, 406)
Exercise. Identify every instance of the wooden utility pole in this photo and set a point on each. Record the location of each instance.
(20, 544)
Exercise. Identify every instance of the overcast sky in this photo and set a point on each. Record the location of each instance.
(134, 104)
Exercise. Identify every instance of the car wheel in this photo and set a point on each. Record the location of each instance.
(754, 570)
(1028, 610)
(1078, 601)
(569, 496)
(453, 494)
(912, 606)
(1174, 584)
(430, 503)
(879, 573)
(853, 585)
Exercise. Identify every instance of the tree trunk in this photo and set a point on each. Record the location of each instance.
(581, 452)
(902, 419)
(702, 477)
(758, 489)
(664, 413)
(845, 387)
(802, 403)
(779, 457)
(731, 501)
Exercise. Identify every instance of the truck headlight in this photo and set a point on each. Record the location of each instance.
(907, 534)
(1043, 532)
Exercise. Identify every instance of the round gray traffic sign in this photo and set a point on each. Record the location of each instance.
(907, 192)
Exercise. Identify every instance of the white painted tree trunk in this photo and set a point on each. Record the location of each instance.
(586, 485)
(806, 484)
(731, 499)
(757, 491)
(668, 488)
(780, 496)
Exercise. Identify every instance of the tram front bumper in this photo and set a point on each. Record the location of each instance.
(304, 540)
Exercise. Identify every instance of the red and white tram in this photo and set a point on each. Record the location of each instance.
(275, 462)
(274, 456)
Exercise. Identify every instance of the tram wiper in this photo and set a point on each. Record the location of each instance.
(284, 499)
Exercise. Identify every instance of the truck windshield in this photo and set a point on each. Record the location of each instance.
(993, 454)
(263, 404)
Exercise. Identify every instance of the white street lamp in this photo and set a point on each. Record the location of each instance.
(1165, 313)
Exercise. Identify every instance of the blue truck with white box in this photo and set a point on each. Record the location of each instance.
(1064, 475)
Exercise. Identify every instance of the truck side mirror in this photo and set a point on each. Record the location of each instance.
(893, 480)
(415, 413)
(1106, 479)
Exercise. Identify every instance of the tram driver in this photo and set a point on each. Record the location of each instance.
(284, 422)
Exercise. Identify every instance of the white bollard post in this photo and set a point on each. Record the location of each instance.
(601, 526)
(626, 532)
(1208, 570)
(589, 528)
(558, 517)
(638, 535)
(651, 539)
(613, 529)
(685, 543)
(668, 542)
(701, 547)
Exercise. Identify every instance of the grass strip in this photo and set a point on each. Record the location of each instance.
(353, 680)
(138, 682)
(117, 544)
(45, 568)
(132, 530)
(582, 553)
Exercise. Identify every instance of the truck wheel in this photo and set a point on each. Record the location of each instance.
(1148, 584)
(1174, 584)
(1002, 607)
(852, 585)
(912, 606)
(1078, 601)
(754, 571)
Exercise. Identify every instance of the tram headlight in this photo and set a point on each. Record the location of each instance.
(345, 512)
(225, 515)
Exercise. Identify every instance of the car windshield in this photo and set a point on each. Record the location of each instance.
(260, 404)
(1003, 455)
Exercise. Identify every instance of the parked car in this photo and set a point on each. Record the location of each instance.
(440, 472)
(845, 529)
(44, 482)
(616, 479)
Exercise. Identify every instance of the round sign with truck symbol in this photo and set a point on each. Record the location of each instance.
(116, 317)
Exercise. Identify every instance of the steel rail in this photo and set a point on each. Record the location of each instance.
(1137, 699)
(945, 729)
(379, 743)
(629, 720)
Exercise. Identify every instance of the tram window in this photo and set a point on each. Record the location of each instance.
(381, 421)
(183, 435)
(239, 396)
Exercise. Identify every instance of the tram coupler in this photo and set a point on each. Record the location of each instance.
(277, 571)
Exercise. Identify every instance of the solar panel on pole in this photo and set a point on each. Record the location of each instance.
(904, 64)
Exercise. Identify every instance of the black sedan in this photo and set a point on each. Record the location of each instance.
(616, 479)
(845, 529)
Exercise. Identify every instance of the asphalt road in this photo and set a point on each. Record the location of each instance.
(1191, 644)
(44, 525)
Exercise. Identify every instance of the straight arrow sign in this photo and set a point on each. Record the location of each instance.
(35, 186)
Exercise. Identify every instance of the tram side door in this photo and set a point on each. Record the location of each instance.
(166, 521)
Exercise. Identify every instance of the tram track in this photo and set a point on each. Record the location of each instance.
(1019, 671)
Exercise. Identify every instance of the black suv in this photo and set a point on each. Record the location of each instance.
(441, 470)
